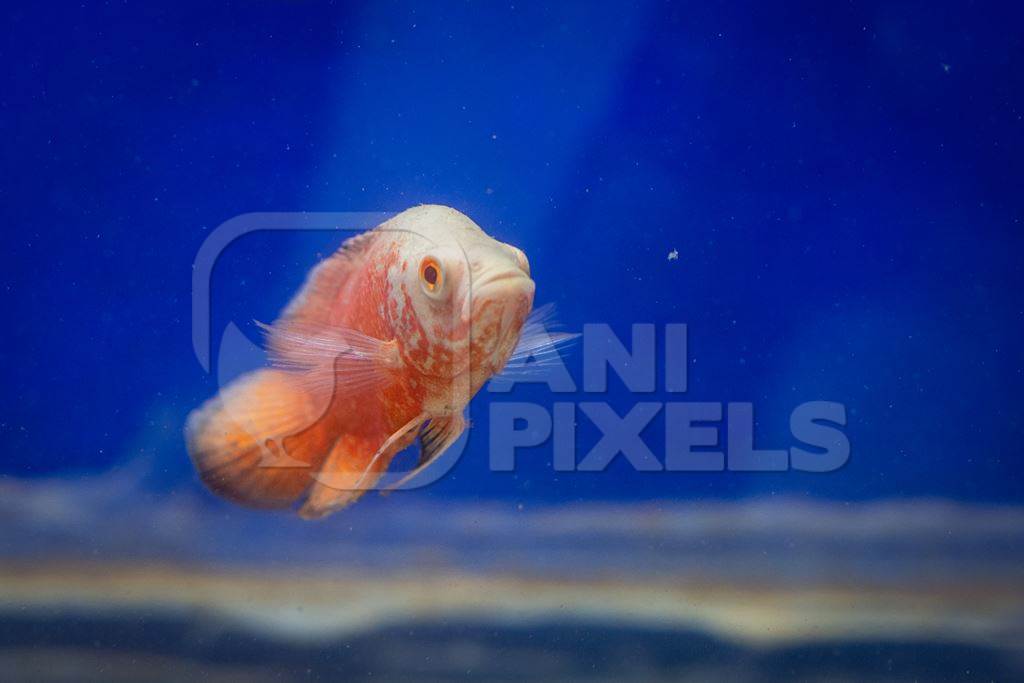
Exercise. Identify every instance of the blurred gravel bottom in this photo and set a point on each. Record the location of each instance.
(145, 648)
(111, 623)
(102, 581)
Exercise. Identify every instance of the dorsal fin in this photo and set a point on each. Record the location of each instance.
(310, 309)
(312, 303)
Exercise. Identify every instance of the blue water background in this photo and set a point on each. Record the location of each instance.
(842, 182)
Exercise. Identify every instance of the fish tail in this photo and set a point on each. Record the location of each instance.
(259, 440)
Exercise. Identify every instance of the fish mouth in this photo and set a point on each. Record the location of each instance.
(495, 313)
(503, 278)
(507, 288)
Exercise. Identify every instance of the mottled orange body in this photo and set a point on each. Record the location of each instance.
(388, 340)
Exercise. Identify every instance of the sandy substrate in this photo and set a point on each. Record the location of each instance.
(751, 576)
(317, 606)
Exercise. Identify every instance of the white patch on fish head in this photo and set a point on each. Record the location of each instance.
(500, 299)
(427, 278)
(457, 297)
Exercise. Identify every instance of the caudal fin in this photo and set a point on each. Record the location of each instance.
(259, 441)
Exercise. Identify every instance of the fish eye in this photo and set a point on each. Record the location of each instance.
(431, 275)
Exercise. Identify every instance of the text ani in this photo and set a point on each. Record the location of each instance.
(693, 430)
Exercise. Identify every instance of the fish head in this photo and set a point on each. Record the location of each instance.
(459, 297)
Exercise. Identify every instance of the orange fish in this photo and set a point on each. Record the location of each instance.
(387, 341)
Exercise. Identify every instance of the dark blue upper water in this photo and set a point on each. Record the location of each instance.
(841, 181)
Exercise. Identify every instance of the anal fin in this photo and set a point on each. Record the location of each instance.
(354, 465)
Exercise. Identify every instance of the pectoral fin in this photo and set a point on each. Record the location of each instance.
(439, 434)
(437, 437)
(539, 346)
